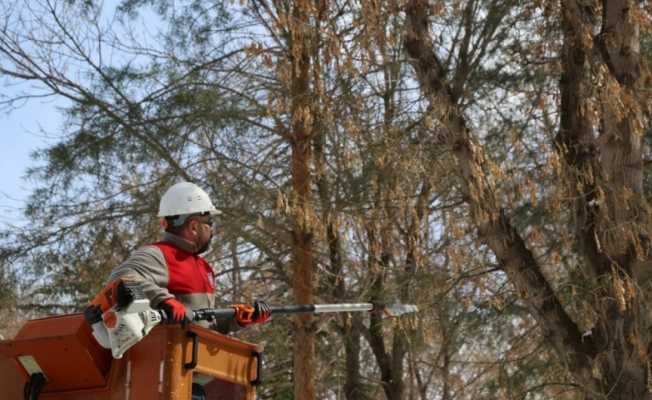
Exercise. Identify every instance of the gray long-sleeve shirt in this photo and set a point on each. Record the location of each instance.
(169, 269)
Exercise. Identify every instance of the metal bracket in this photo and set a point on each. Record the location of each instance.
(195, 345)
(259, 368)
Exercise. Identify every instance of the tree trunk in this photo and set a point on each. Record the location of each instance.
(389, 363)
(353, 389)
(302, 282)
(611, 210)
(304, 345)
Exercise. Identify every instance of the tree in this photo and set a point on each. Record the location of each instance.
(293, 26)
(343, 171)
(599, 138)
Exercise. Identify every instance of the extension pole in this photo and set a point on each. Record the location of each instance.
(227, 313)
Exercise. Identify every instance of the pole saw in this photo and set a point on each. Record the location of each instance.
(393, 310)
(120, 315)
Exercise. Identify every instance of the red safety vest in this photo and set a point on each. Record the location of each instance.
(187, 273)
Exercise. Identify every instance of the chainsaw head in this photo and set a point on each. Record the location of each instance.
(399, 309)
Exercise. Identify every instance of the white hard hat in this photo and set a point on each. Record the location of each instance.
(185, 198)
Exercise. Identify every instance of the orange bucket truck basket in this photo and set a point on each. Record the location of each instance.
(170, 363)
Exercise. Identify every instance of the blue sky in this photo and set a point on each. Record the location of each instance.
(24, 130)
(27, 128)
(20, 135)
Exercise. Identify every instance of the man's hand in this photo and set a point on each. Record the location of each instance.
(174, 310)
(246, 314)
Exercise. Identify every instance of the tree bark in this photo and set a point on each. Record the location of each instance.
(353, 389)
(378, 264)
(302, 282)
(605, 176)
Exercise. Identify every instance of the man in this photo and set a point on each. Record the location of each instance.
(174, 275)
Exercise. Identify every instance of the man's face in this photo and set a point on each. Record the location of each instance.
(204, 229)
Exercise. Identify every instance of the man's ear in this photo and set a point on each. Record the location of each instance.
(192, 226)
